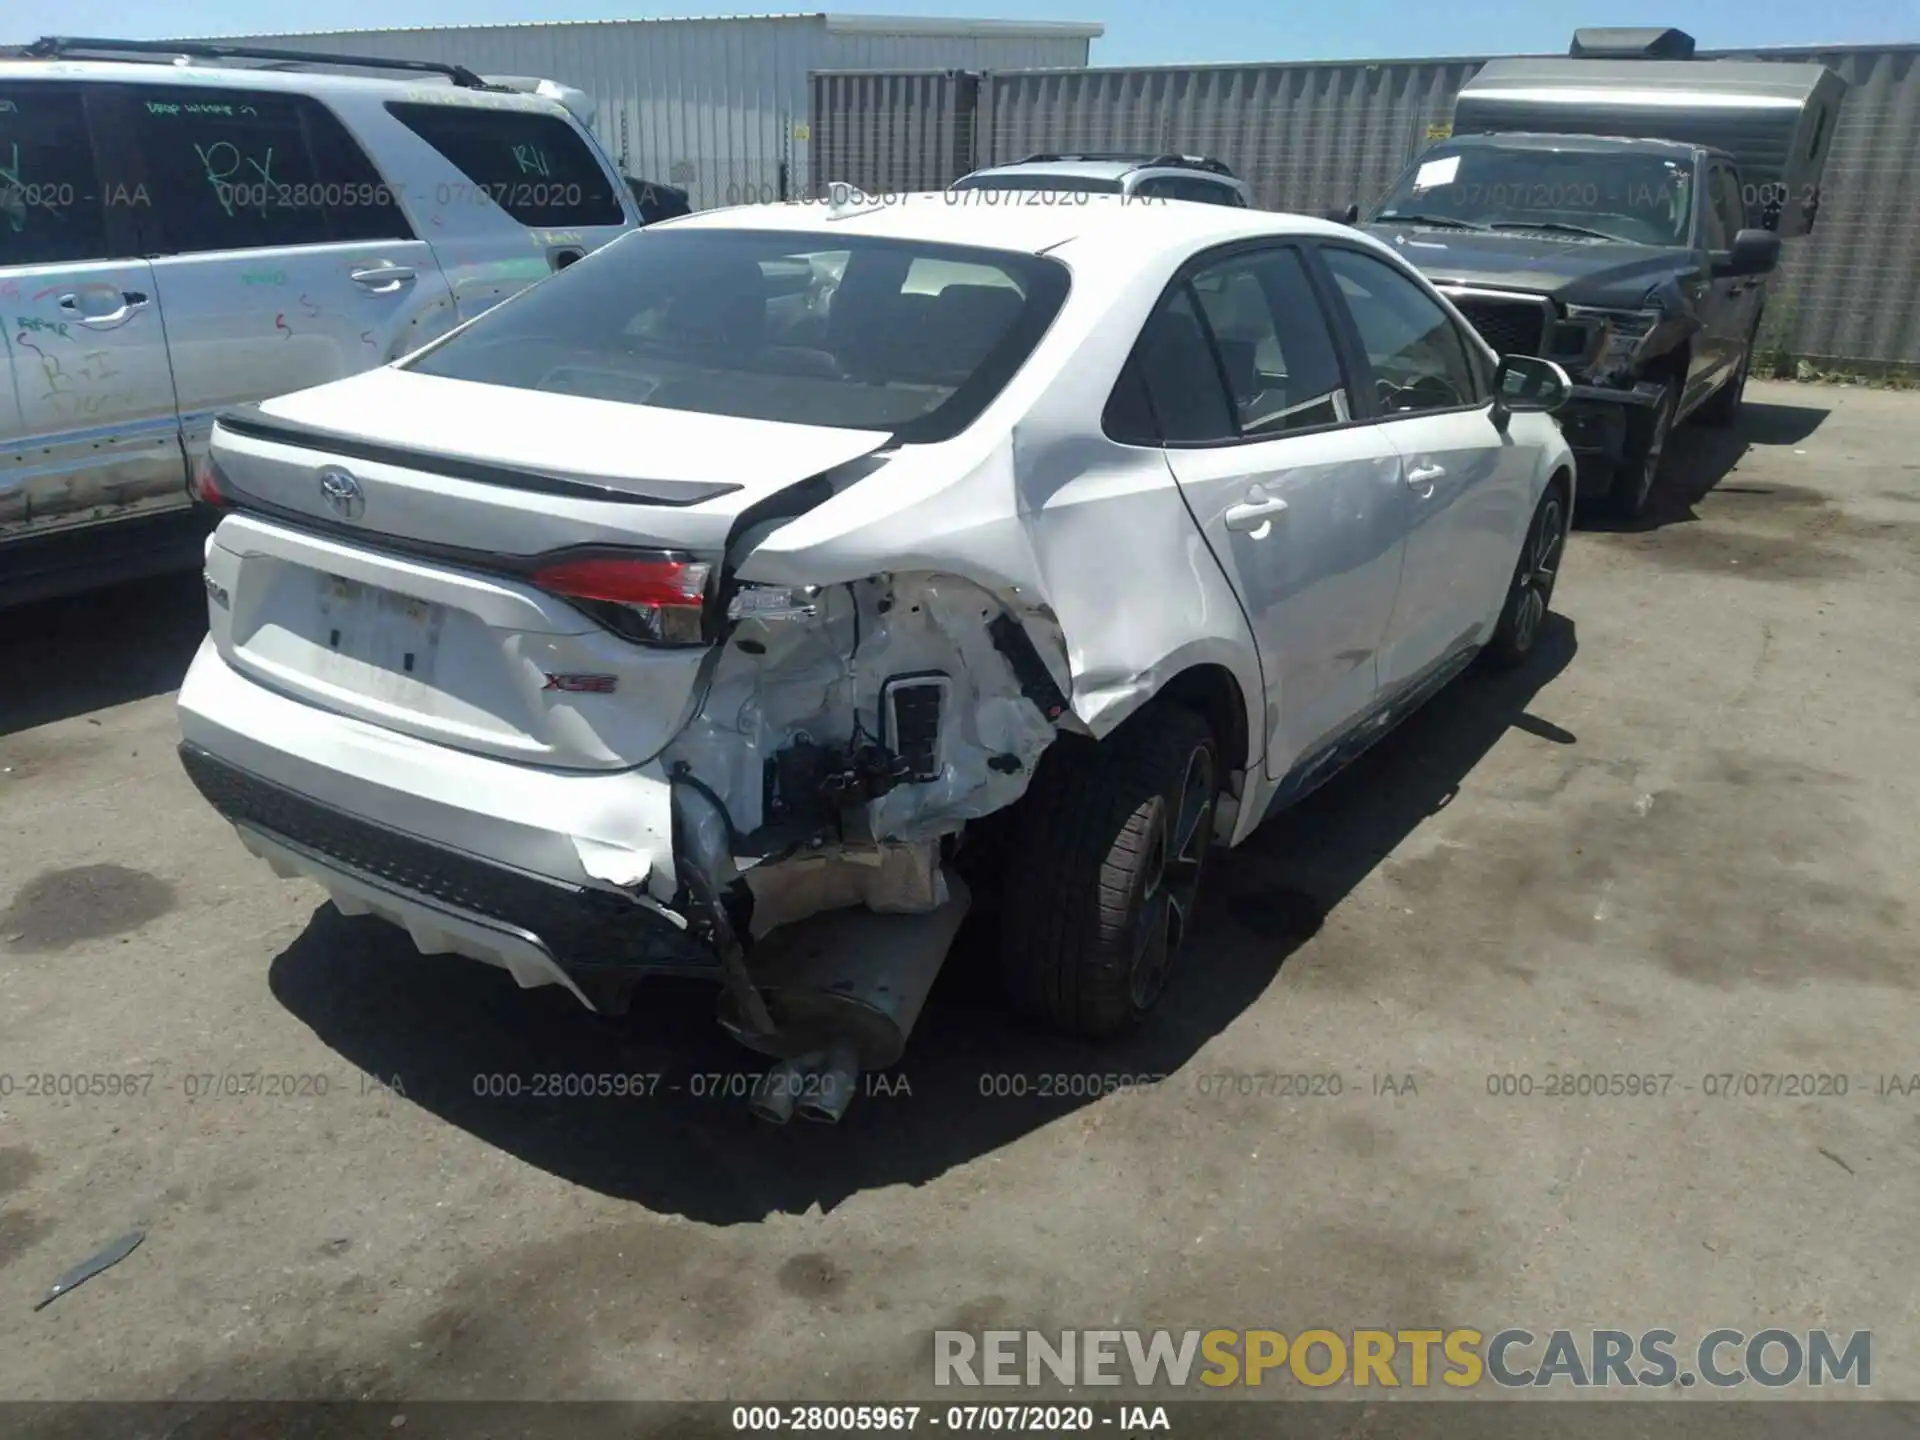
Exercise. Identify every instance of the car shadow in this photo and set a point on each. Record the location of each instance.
(62, 658)
(1700, 456)
(450, 1036)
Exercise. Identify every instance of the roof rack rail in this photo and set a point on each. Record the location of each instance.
(1132, 157)
(1135, 157)
(51, 46)
(1194, 162)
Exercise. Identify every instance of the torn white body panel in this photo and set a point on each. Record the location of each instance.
(820, 679)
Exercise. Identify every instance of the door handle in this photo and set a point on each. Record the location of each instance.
(382, 279)
(1253, 513)
(1425, 474)
(130, 301)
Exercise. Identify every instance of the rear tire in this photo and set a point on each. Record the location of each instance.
(1638, 475)
(1531, 590)
(1104, 868)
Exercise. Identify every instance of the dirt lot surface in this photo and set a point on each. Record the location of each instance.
(1682, 844)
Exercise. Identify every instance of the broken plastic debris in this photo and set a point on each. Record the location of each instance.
(615, 864)
(111, 1256)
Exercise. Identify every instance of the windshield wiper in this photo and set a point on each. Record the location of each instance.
(1556, 227)
(1447, 222)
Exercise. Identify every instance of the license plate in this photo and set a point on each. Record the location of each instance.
(385, 641)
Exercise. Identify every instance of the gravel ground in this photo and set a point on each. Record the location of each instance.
(1673, 846)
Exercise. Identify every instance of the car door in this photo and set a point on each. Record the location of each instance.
(1466, 481)
(90, 433)
(1300, 502)
(1735, 298)
(279, 253)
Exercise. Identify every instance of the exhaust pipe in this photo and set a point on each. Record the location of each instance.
(773, 1096)
(842, 989)
(827, 1101)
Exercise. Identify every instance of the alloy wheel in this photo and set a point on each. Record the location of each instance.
(1171, 880)
(1537, 575)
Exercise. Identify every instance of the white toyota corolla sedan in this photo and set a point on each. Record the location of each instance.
(691, 612)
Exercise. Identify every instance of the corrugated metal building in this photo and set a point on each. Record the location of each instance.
(1311, 137)
(716, 105)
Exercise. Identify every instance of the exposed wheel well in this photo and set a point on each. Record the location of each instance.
(1562, 480)
(1673, 365)
(1213, 693)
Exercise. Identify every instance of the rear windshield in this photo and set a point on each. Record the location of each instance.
(1071, 184)
(910, 338)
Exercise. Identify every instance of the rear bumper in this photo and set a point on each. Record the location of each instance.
(536, 871)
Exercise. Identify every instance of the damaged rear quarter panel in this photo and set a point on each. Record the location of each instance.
(818, 679)
(1035, 505)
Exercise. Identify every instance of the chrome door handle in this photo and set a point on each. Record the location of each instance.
(1425, 474)
(1254, 513)
(382, 278)
(130, 301)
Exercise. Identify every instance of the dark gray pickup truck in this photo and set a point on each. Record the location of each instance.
(1630, 262)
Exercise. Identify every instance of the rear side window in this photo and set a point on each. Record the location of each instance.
(533, 166)
(1175, 369)
(900, 336)
(255, 169)
(1188, 187)
(1272, 337)
(1728, 205)
(51, 206)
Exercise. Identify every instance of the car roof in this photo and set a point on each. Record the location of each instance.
(1087, 169)
(1098, 169)
(302, 81)
(1090, 223)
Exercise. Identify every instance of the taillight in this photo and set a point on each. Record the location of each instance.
(209, 486)
(650, 598)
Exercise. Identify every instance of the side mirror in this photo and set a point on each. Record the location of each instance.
(1755, 252)
(1348, 216)
(1525, 383)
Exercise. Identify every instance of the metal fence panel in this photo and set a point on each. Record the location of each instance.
(893, 132)
(1305, 137)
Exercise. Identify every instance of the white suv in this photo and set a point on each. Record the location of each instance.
(176, 238)
(689, 612)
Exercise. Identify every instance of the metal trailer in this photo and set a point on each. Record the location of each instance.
(1777, 121)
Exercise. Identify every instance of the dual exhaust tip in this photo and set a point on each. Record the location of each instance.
(816, 1087)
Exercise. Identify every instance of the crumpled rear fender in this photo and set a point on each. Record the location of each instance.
(1062, 527)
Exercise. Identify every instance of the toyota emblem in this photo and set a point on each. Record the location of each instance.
(342, 493)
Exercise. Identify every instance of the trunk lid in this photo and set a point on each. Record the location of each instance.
(403, 593)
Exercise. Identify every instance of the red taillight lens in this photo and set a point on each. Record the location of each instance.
(208, 483)
(642, 597)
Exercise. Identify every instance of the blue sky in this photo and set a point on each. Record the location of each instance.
(1139, 32)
